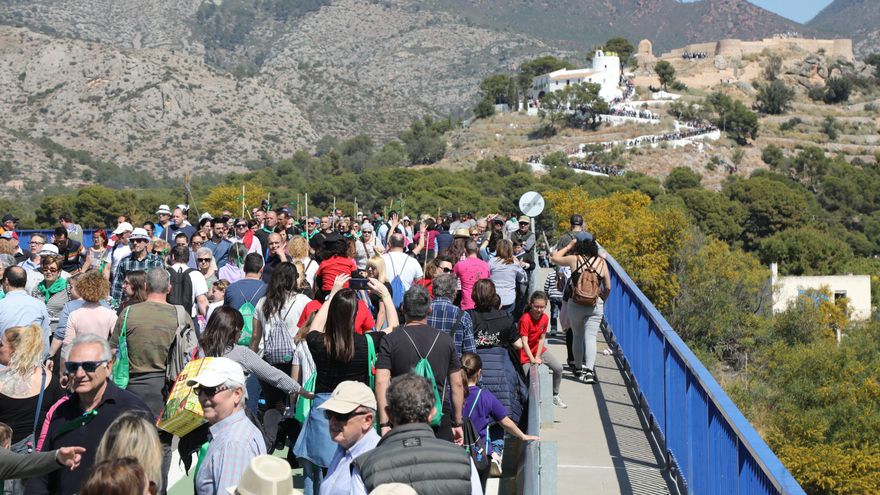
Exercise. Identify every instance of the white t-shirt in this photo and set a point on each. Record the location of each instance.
(114, 256)
(199, 284)
(311, 267)
(403, 265)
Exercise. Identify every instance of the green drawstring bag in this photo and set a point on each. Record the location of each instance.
(121, 366)
(303, 405)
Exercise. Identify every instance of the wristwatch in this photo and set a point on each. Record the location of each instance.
(456, 424)
(385, 425)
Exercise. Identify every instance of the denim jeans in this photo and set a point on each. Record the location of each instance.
(555, 304)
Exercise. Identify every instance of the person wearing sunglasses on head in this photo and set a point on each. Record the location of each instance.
(82, 418)
(234, 440)
(139, 259)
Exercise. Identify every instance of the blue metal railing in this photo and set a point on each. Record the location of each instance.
(24, 236)
(538, 465)
(711, 446)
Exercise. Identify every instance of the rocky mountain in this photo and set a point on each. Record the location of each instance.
(82, 107)
(856, 19)
(193, 83)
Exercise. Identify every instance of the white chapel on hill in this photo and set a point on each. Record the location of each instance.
(605, 72)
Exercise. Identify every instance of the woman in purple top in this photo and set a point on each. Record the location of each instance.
(483, 408)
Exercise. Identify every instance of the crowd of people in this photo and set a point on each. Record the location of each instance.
(686, 55)
(381, 349)
(633, 113)
(686, 131)
(583, 164)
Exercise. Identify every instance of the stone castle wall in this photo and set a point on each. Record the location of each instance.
(733, 48)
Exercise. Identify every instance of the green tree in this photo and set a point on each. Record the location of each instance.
(393, 154)
(774, 98)
(772, 67)
(732, 116)
(541, 65)
(771, 207)
(622, 47)
(829, 127)
(496, 87)
(666, 72)
(424, 140)
(356, 153)
(714, 213)
(681, 178)
(805, 251)
(837, 90)
(773, 156)
(485, 108)
(584, 99)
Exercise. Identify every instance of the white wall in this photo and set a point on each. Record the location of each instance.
(856, 287)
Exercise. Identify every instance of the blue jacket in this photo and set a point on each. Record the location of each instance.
(501, 378)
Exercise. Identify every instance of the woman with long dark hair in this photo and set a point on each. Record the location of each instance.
(219, 340)
(135, 287)
(497, 339)
(339, 355)
(277, 314)
(582, 255)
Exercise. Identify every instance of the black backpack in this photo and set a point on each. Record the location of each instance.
(181, 289)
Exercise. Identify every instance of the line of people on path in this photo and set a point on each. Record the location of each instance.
(430, 326)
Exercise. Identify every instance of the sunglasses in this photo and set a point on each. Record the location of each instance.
(310, 223)
(209, 391)
(135, 241)
(446, 270)
(87, 366)
(332, 415)
(50, 270)
(158, 253)
(241, 226)
(197, 243)
(203, 260)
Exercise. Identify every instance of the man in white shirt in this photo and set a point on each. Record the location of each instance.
(199, 300)
(120, 249)
(398, 263)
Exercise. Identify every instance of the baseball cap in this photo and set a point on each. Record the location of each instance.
(123, 227)
(139, 233)
(49, 249)
(6, 235)
(206, 215)
(577, 220)
(163, 210)
(405, 219)
(498, 221)
(366, 227)
(525, 219)
(216, 372)
(583, 236)
(348, 396)
(9, 217)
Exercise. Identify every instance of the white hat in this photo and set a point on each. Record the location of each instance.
(123, 227)
(49, 249)
(139, 233)
(265, 475)
(163, 210)
(205, 215)
(217, 372)
(405, 219)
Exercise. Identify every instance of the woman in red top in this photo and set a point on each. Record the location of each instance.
(533, 332)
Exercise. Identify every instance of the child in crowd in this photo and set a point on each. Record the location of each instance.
(218, 291)
(5, 436)
(483, 408)
(533, 332)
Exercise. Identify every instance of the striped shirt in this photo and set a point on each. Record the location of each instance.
(550, 286)
(234, 442)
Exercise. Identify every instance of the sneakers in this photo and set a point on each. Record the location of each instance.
(588, 376)
(557, 401)
(495, 466)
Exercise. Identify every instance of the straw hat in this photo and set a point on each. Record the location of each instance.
(265, 475)
(462, 233)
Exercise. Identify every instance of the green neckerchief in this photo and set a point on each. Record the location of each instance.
(2, 294)
(57, 286)
(203, 450)
(268, 231)
(79, 422)
(309, 236)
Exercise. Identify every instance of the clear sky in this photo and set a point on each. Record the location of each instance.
(796, 10)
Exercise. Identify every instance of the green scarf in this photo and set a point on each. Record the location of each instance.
(58, 285)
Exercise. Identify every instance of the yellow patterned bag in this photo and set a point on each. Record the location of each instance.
(183, 413)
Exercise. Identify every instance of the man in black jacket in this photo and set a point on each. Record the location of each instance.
(410, 453)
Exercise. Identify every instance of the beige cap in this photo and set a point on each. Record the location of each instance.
(394, 489)
(348, 396)
(462, 233)
(525, 218)
(265, 475)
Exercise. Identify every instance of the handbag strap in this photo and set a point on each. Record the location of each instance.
(39, 403)
(476, 400)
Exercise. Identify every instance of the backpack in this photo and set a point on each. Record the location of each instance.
(423, 368)
(473, 445)
(279, 341)
(247, 311)
(397, 290)
(183, 347)
(181, 289)
(586, 291)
